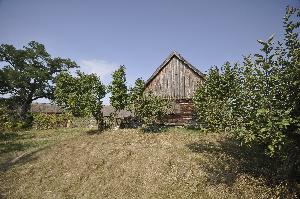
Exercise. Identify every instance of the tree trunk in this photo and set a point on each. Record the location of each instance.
(100, 124)
(100, 121)
(24, 109)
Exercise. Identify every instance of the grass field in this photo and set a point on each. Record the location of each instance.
(128, 163)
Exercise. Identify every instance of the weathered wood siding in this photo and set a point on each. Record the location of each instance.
(175, 81)
(181, 113)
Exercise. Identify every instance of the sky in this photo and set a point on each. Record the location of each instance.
(102, 35)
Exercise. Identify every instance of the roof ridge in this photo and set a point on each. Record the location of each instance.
(180, 57)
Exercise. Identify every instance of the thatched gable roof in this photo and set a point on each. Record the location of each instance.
(45, 108)
(52, 108)
(107, 110)
(167, 60)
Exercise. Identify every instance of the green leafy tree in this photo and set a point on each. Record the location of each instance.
(288, 54)
(147, 108)
(118, 89)
(270, 93)
(81, 95)
(214, 98)
(259, 100)
(135, 98)
(269, 96)
(152, 110)
(29, 74)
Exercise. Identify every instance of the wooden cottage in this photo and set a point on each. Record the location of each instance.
(176, 79)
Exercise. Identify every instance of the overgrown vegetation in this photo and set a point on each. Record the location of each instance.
(258, 101)
(152, 110)
(9, 119)
(81, 95)
(51, 121)
(147, 108)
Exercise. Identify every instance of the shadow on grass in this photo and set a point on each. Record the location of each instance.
(8, 147)
(93, 132)
(193, 127)
(5, 136)
(155, 129)
(12, 142)
(228, 160)
(22, 159)
(16, 142)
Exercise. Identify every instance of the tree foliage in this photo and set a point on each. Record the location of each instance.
(8, 119)
(258, 100)
(81, 95)
(118, 89)
(51, 121)
(148, 109)
(212, 99)
(152, 110)
(29, 74)
(135, 98)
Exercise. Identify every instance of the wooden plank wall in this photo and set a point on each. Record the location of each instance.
(181, 113)
(175, 81)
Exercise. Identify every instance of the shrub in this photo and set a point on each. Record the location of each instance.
(50, 121)
(9, 120)
(153, 109)
(214, 98)
(149, 110)
(256, 100)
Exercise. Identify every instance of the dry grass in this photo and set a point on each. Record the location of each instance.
(127, 163)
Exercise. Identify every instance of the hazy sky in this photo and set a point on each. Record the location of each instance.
(101, 35)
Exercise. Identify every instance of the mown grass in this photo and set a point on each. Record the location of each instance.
(128, 163)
